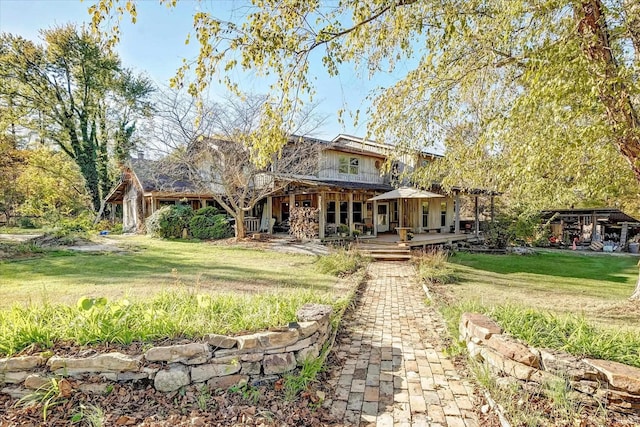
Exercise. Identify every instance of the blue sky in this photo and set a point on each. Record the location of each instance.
(155, 45)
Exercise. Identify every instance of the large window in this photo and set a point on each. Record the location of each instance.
(349, 165)
(331, 212)
(425, 214)
(443, 214)
(344, 212)
(357, 211)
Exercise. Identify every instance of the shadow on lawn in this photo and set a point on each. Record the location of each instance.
(615, 269)
(167, 269)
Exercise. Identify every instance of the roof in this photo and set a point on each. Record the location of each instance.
(612, 215)
(151, 177)
(347, 185)
(146, 174)
(407, 193)
(377, 146)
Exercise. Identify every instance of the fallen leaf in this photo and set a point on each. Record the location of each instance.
(64, 387)
(125, 420)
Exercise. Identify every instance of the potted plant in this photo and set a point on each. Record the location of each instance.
(343, 230)
(356, 233)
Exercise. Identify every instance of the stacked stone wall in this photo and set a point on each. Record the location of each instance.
(219, 361)
(599, 382)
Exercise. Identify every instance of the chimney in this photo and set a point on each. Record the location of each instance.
(140, 155)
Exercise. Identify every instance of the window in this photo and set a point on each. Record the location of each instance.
(331, 212)
(353, 166)
(394, 211)
(357, 212)
(344, 213)
(343, 166)
(348, 165)
(425, 215)
(443, 214)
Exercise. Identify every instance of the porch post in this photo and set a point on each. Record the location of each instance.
(456, 220)
(269, 214)
(350, 212)
(477, 223)
(400, 212)
(375, 218)
(321, 215)
(292, 204)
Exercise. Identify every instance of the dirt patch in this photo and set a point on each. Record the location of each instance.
(141, 405)
(277, 244)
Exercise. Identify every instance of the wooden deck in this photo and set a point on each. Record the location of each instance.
(420, 240)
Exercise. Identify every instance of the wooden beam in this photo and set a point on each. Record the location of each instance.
(321, 215)
(456, 219)
(477, 219)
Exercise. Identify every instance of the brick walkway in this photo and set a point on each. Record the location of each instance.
(394, 372)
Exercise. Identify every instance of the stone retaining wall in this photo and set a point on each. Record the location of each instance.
(615, 385)
(219, 361)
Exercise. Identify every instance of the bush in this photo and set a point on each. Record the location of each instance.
(207, 223)
(26, 222)
(169, 221)
(341, 262)
(434, 268)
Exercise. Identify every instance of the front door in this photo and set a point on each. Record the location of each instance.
(383, 217)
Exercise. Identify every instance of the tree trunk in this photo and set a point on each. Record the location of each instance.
(636, 292)
(612, 92)
(240, 230)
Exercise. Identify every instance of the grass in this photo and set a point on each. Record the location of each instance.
(594, 286)
(156, 290)
(170, 314)
(19, 230)
(150, 266)
(341, 262)
(433, 268)
(573, 302)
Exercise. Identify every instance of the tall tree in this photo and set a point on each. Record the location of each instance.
(73, 88)
(213, 150)
(572, 65)
(12, 164)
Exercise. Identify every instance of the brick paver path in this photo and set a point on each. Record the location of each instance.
(394, 372)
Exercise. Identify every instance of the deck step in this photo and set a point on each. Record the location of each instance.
(390, 257)
(386, 252)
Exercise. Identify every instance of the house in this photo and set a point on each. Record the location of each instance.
(348, 188)
(344, 190)
(143, 188)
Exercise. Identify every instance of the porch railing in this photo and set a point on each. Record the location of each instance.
(252, 225)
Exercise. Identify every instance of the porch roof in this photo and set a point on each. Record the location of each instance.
(347, 185)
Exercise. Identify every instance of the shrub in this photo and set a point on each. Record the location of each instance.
(207, 223)
(434, 268)
(341, 262)
(26, 222)
(169, 221)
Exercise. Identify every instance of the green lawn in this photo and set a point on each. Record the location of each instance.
(149, 266)
(595, 285)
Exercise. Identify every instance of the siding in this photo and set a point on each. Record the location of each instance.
(367, 170)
